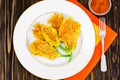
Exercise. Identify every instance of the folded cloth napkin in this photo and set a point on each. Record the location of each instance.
(110, 36)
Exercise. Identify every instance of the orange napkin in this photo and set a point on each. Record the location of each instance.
(110, 36)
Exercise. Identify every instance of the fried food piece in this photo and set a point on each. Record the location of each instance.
(50, 35)
(42, 48)
(69, 32)
(37, 31)
(56, 20)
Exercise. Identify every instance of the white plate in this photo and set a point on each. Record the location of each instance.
(59, 68)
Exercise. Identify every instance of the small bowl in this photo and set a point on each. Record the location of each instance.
(99, 14)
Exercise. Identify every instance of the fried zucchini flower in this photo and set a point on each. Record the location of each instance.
(69, 32)
(56, 20)
(50, 35)
(37, 31)
(42, 48)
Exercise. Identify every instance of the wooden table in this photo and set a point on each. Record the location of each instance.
(10, 67)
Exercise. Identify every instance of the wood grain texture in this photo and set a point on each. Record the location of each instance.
(10, 67)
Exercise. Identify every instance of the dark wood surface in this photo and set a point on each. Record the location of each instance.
(10, 67)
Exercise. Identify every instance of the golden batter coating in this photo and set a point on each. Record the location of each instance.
(42, 48)
(37, 31)
(56, 20)
(69, 32)
(50, 35)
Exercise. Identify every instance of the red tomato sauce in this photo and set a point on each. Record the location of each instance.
(100, 6)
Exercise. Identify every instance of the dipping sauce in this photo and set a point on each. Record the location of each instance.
(100, 6)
